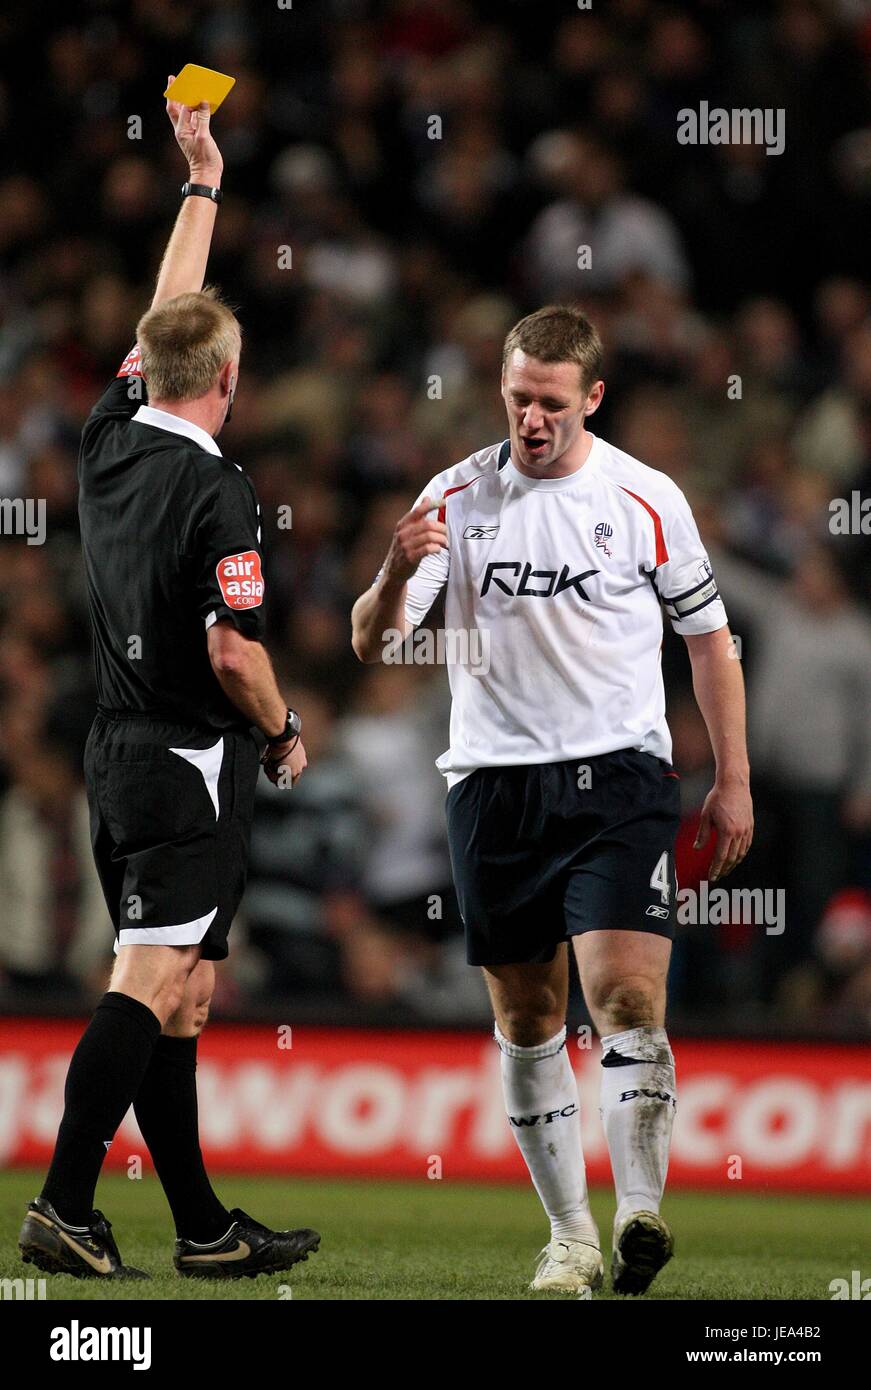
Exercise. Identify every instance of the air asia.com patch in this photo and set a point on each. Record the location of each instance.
(132, 364)
(241, 580)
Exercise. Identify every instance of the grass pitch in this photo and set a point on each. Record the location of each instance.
(451, 1241)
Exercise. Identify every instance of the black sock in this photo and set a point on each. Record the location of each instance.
(105, 1072)
(166, 1108)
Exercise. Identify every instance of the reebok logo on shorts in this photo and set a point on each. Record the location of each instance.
(240, 580)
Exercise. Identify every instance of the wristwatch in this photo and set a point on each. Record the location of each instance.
(292, 729)
(202, 190)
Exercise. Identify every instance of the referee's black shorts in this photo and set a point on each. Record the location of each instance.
(548, 851)
(171, 808)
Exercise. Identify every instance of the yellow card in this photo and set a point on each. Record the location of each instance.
(195, 84)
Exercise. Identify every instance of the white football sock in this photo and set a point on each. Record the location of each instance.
(638, 1104)
(541, 1097)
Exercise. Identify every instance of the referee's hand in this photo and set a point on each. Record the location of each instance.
(194, 139)
(284, 763)
(417, 534)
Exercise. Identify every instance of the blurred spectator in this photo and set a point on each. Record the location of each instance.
(54, 926)
(808, 649)
(305, 868)
(390, 741)
(624, 234)
(834, 987)
(829, 438)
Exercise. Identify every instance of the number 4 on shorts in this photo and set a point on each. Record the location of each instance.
(659, 878)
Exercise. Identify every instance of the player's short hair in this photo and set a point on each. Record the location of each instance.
(185, 342)
(559, 333)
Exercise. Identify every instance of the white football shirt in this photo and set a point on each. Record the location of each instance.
(553, 606)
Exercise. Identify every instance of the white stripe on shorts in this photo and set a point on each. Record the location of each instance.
(183, 934)
(208, 761)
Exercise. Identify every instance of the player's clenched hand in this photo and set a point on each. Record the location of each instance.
(283, 763)
(728, 809)
(418, 533)
(195, 140)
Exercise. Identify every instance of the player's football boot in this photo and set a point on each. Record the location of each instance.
(642, 1245)
(569, 1266)
(85, 1252)
(248, 1249)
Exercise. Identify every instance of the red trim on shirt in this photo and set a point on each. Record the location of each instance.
(458, 488)
(661, 550)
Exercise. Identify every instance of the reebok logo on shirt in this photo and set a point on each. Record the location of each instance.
(240, 580)
(533, 583)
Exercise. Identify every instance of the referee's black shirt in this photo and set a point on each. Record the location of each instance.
(171, 539)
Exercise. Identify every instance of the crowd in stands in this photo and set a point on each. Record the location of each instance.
(403, 181)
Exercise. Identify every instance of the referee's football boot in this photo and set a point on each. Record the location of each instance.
(248, 1249)
(642, 1245)
(85, 1252)
(569, 1266)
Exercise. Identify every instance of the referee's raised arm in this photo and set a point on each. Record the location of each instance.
(240, 664)
(183, 269)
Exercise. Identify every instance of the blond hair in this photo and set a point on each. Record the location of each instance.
(558, 333)
(185, 342)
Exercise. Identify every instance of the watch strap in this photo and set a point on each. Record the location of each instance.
(292, 729)
(202, 190)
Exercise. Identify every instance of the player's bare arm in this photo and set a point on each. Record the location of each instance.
(244, 672)
(382, 607)
(719, 689)
(183, 269)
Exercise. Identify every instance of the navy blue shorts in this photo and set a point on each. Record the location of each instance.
(545, 852)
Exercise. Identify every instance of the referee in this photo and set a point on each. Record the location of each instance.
(172, 546)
